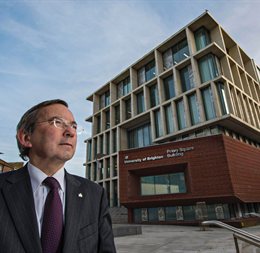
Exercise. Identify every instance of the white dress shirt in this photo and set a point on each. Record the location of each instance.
(41, 191)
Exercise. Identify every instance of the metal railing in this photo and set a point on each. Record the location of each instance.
(237, 234)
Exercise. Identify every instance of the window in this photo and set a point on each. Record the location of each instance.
(114, 135)
(222, 98)
(104, 100)
(167, 59)
(194, 109)
(202, 38)
(169, 87)
(140, 102)
(163, 184)
(95, 171)
(181, 114)
(108, 168)
(208, 67)
(187, 81)
(180, 51)
(147, 72)
(208, 104)
(101, 144)
(88, 171)
(108, 143)
(124, 87)
(169, 119)
(154, 96)
(176, 54)
(107, 116)
(158, 124)
(128, 110)
(89, 148)
(98, 124)
(117, 114)
(140, 137)
(100, 169)
(95, 147)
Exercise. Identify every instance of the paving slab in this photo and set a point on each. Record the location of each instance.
(179, 239)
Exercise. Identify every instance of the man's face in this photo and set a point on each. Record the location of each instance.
(50, 144)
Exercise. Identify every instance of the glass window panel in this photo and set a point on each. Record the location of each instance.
(169, 119)
(137, 215)
(177, 183)
(150, 70)
(169, 87)
(211, 212)
(107, 113)
(170, 213)
(95, 171)
(128, 110)
(147, 135)
(114, 140)
(208, 103)
(101, 144)
(194, 109)
(181, 114)
(140, 137)
(180, 51)
(108, 143)
(124, 87)
(89, 148)
(189, 213)
(226, 211)
(222, 98)
(117, 114)
(153, 214)
(141, 76)
(140, 102)
(167, 59)
(162, 184)
(120, 90)
(187, 80)
(202, 38)
(147, 185)
(208, 68)
(154, 97)
(158, 123)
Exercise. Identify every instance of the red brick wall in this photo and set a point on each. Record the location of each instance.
(244, 164)
(214, 170)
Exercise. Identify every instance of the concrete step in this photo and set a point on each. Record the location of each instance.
(118, 215)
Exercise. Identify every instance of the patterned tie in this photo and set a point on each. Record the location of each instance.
(52, 224)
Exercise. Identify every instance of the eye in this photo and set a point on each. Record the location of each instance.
(74, 126)
(58, 122)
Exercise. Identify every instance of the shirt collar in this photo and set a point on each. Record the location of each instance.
(37, 176)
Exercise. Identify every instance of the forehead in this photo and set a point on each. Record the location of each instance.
(55, 110)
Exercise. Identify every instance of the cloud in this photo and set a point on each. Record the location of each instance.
(69, 49)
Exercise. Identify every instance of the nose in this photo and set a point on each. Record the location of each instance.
(69, 132)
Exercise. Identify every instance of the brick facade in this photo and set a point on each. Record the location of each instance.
(218, 169)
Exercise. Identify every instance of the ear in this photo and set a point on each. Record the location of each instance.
(24, 138)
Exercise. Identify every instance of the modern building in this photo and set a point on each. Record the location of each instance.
(176, 136)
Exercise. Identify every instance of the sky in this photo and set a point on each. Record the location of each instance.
(68, 49)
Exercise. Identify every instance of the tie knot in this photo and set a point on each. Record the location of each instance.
(51, 182)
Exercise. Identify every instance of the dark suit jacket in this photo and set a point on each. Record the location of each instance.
(87, 220)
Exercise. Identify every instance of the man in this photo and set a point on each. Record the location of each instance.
(42, 207)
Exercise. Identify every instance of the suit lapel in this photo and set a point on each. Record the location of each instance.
(73, 211)
(19, 198)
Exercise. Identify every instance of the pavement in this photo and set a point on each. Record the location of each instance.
(183, 239)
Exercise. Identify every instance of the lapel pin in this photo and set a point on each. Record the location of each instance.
(80, 195)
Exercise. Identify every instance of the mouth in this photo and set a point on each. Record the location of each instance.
(66, 144)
